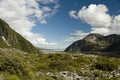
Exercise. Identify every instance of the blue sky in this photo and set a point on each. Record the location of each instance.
(55, 24)
(61, 25)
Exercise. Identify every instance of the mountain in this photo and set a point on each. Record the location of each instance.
(11, 39)
(96, 43)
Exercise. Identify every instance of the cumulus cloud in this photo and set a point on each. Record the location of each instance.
(104, 31)
(95, 15)
(115, 27)
(37, 39)
(98, 18)
(21, 15)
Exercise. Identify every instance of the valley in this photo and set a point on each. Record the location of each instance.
(19, 65)
(96, 57)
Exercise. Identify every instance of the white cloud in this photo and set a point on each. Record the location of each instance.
(48, 1)
(104, 31)
(95, 15)
(115, 27)
(46, 9)
(72, 14)
(21, 15)
(38, 39)
(77, 35)
(43, 22)
(98, 18)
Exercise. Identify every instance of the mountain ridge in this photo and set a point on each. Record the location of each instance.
(96, 43)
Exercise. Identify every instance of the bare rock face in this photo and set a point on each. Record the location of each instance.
(11, 39)
(94, 38)
(96, 43)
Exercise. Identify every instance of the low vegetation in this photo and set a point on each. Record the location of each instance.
(18, 65)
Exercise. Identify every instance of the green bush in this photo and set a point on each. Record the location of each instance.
(107, 66)
(97, 73)
(13, 77)
(57, 65)
(12, 65)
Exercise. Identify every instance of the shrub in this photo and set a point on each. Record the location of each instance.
(107, 66)
(12, 66)
(13, 77)
(57, 65)
(97, 73)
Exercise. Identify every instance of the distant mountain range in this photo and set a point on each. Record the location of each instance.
(11, 39)
(44, 50)
(96, 43)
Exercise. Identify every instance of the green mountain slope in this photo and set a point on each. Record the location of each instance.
(11, 39)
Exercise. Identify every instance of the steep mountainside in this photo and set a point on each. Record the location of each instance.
(96, 43)
(11, 39)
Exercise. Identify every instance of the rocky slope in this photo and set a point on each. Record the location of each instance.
(11, 39)
(96, 43)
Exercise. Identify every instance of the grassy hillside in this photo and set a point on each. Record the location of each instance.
(19, 65)
(11, 39)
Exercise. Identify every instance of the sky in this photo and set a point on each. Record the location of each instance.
(55, 24)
